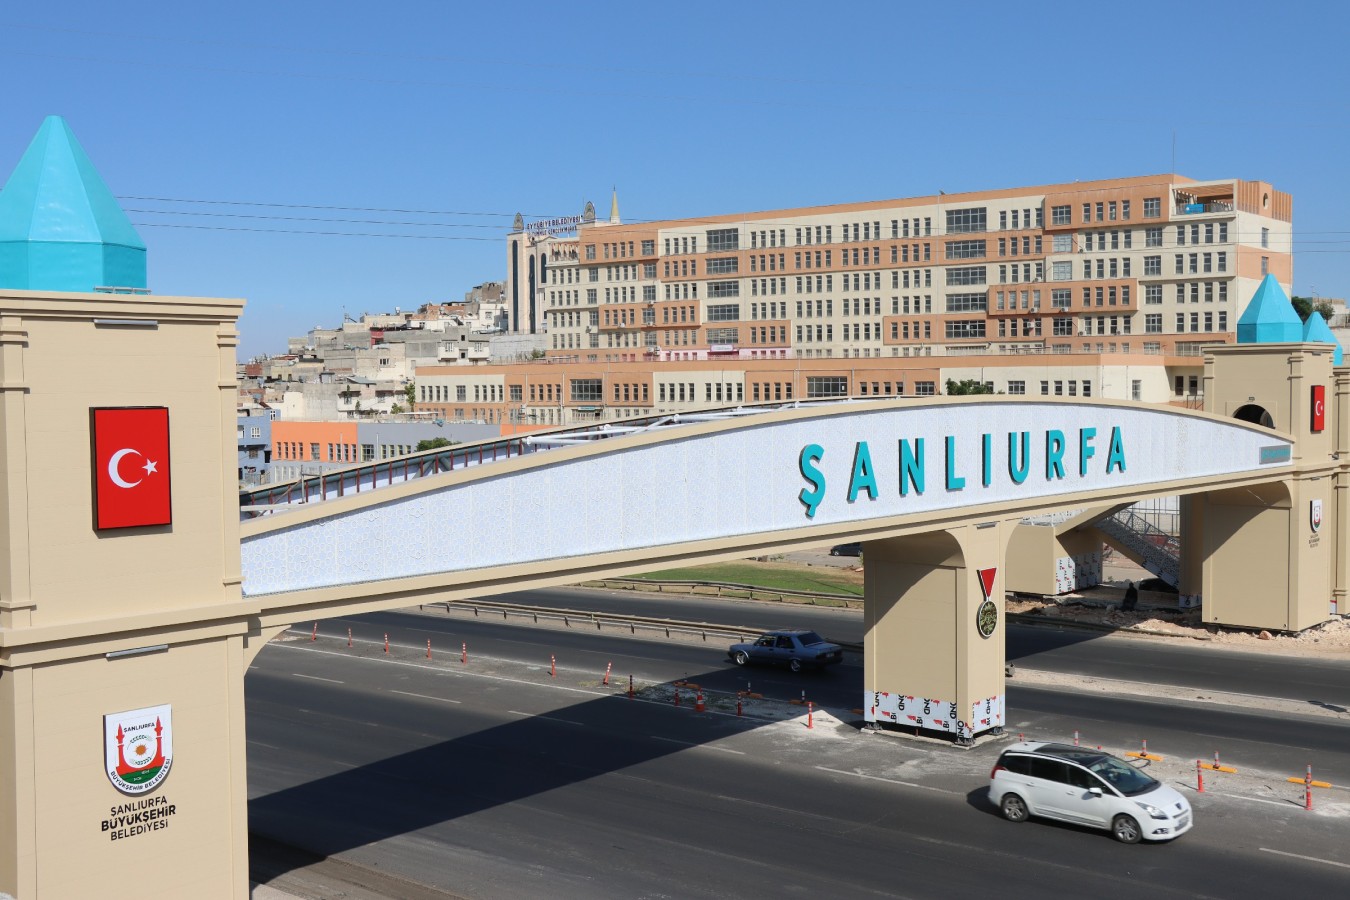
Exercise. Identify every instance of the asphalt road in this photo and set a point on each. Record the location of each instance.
(495, 779)
(1305, 680)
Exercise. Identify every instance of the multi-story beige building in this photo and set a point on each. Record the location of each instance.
(1153, 263)
(550, 393)
(1128, 275)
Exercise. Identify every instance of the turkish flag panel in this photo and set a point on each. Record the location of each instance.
(131, 466)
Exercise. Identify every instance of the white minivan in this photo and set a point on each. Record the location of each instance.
(1086, 787)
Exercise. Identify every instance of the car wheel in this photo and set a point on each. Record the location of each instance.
(740, 657)
(1126, 829)
(795, 665)
(1014, 808)
(834, 552)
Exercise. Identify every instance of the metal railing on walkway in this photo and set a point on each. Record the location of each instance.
(374, 475)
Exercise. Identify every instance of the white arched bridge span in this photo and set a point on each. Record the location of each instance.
(735, 486)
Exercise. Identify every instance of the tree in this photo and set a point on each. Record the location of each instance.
(396, 409)
(968, 386)
(1306, 306)
(435, 444)
(410, 392)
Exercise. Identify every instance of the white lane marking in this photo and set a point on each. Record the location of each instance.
(1284, 803)
(657, 737)
(425, 696)
(516, 712)
(922, 787)
(1329, 862)
(318, 678)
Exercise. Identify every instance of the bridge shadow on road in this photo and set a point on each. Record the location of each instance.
(471, 772)
(423, 766)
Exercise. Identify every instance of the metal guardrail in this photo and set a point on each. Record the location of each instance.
(581, 618)
(724, 589)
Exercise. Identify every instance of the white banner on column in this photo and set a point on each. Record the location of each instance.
(933, 714)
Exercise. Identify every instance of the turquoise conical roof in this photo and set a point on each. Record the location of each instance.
(1269, 317)
(61, 229)
(1316, 331)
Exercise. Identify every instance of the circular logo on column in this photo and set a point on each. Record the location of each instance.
(986, 618)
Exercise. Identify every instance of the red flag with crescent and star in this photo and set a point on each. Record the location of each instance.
(131, 466)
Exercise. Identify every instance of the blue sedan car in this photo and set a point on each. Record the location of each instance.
(795, 648)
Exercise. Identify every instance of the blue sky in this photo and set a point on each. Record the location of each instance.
(278, 112)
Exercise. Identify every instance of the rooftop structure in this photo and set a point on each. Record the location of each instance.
(61, 229)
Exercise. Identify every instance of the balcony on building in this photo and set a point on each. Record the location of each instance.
(1203, 199)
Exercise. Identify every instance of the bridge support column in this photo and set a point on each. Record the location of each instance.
(1273, 554)
(934, 647)
(1192, 529)
(1268, 557)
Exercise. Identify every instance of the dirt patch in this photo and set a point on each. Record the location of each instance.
(1328, 639)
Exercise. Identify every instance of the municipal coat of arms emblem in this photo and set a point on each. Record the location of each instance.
(138, 748)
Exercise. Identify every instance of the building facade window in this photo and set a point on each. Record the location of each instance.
(721, 240)
(965, 249)
(959, 275)
(826, 386)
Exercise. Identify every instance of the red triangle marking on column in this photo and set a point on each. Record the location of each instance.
(987, 581)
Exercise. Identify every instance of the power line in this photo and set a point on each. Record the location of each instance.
(716, 219)
(174, 212)
(417, 237)
(266, 205)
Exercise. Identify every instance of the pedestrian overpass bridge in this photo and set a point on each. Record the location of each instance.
(935, 488)
(138, 597)
(732, 484)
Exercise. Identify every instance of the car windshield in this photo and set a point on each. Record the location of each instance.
(1125, 778)
(810, 637)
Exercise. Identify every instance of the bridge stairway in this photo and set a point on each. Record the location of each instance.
(1135, 537)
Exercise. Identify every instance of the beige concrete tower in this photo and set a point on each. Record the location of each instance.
(122, 629)
(96, 622)
(1273, 556)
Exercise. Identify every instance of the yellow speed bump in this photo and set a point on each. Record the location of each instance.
(1152, 757)
(1321, 784)
(1143, 753)
(1215, 767)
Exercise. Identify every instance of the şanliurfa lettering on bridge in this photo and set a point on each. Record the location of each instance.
(1064, 454)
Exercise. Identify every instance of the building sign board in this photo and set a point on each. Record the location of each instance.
(564, 225)
(129, 447)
